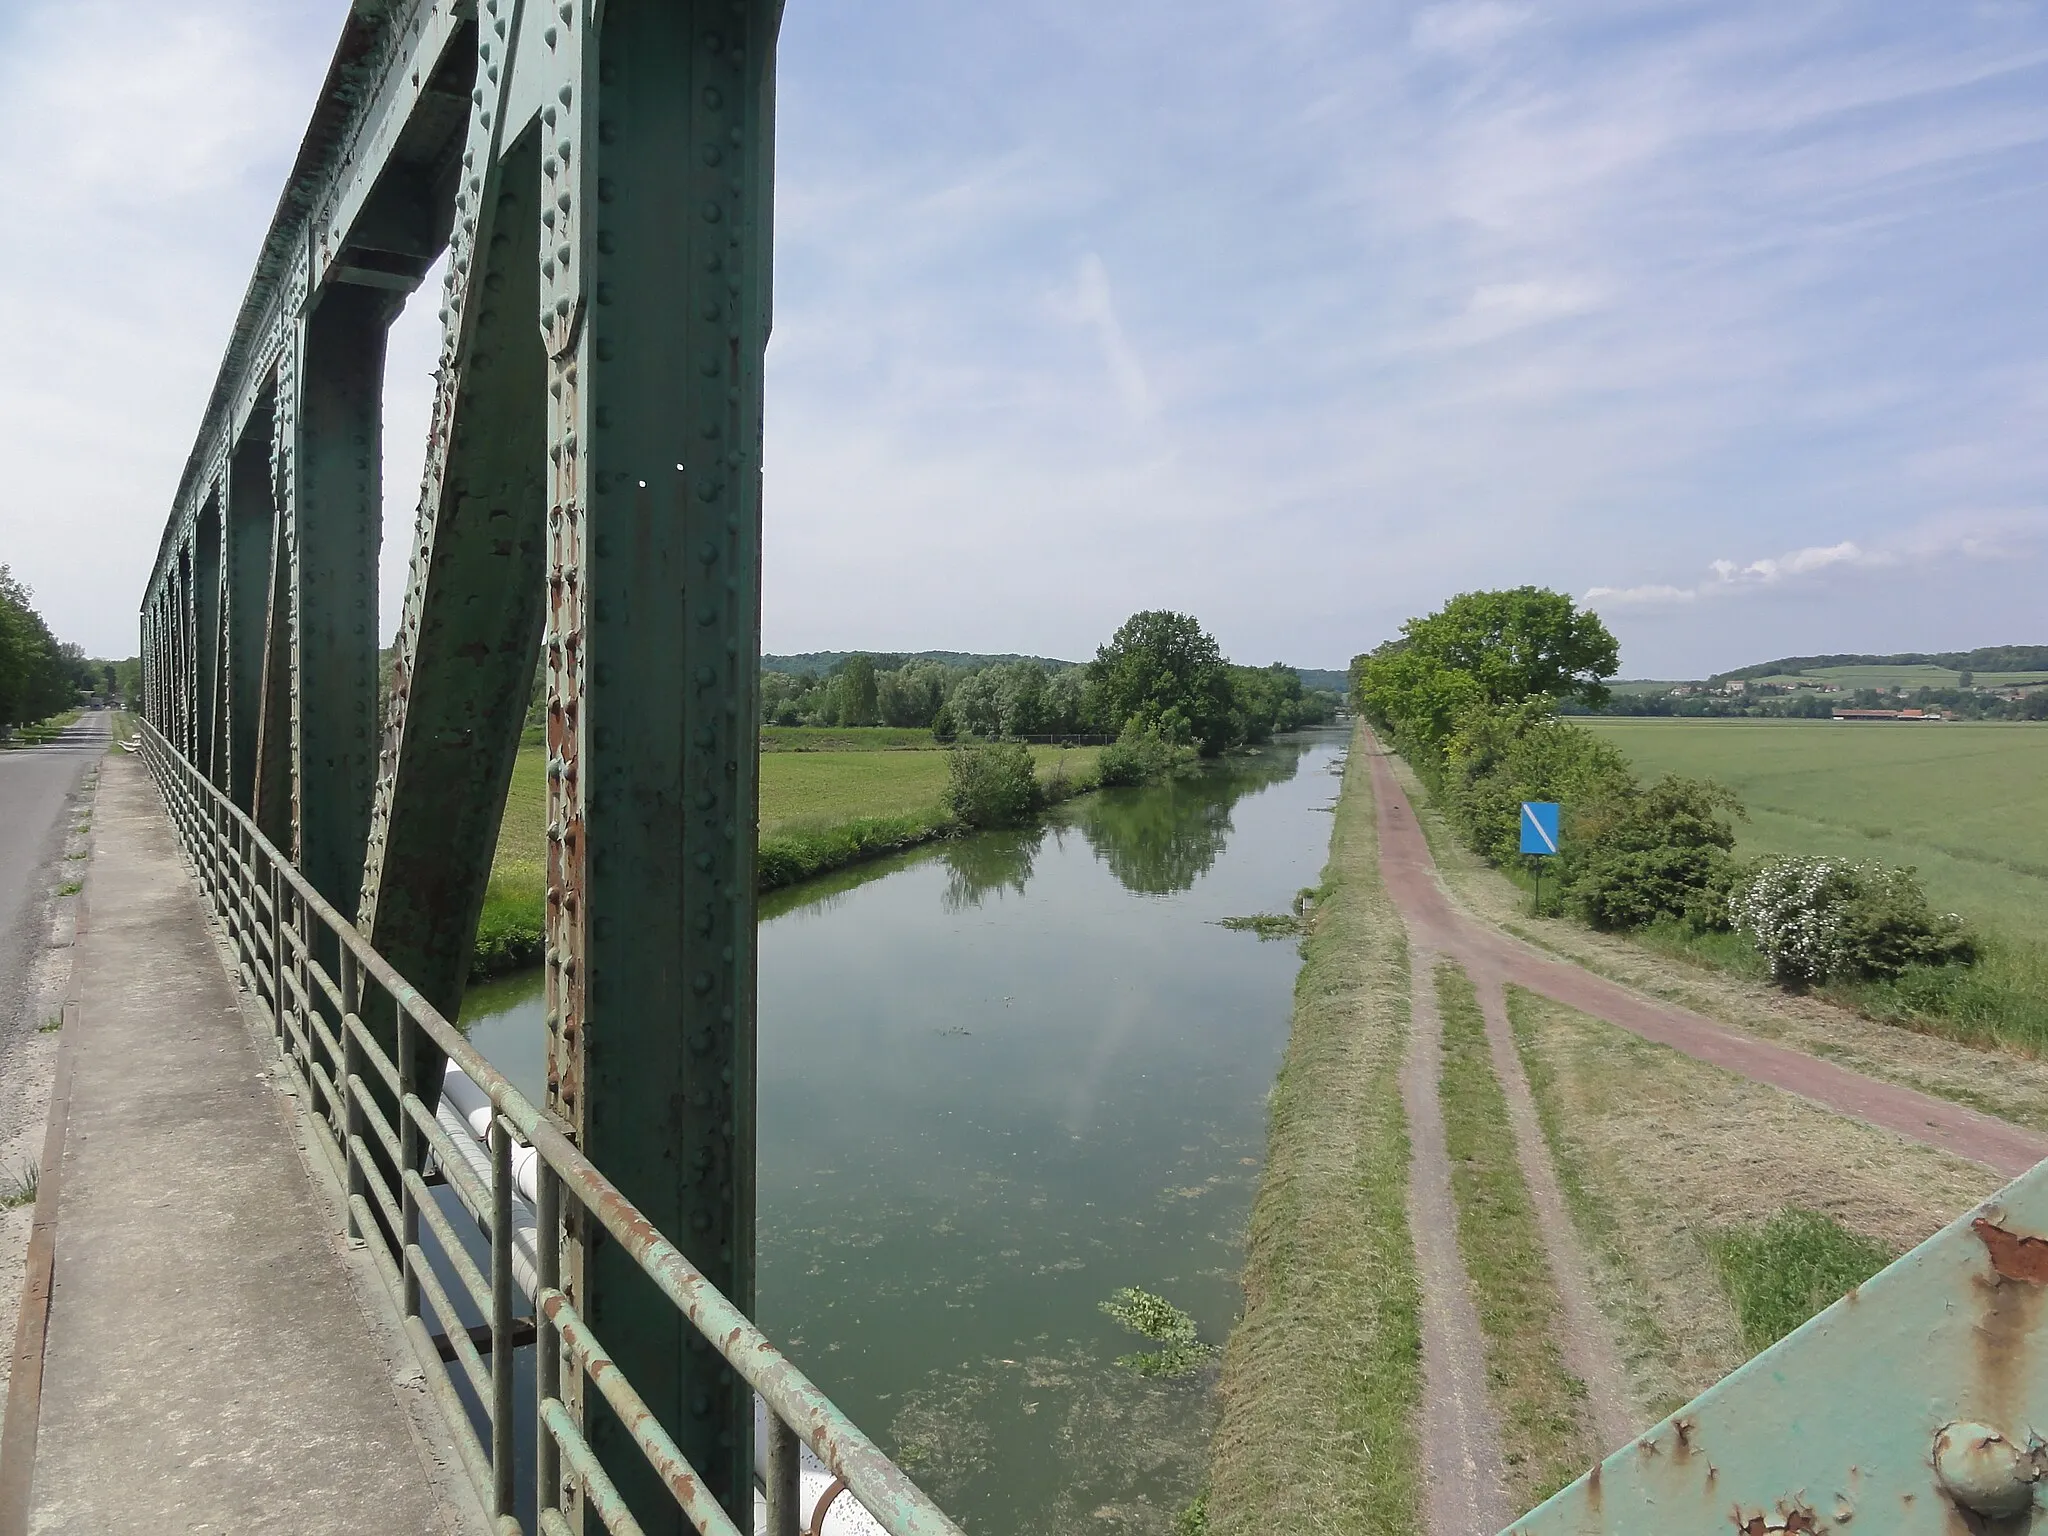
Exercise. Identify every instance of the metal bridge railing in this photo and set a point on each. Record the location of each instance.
(282, 935)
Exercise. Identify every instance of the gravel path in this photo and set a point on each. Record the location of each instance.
(1465, 1490)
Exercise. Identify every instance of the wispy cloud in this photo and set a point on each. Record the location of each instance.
(1090, 302)
(1978, 537)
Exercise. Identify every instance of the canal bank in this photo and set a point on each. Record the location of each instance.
(1001, 1078)
(1323, 1372)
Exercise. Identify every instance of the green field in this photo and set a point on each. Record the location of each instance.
(807, 788)
(1966, 803)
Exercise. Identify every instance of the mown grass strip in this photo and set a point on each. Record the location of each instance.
(1600, 1230)
(1322, 1376)
(1545, 1428)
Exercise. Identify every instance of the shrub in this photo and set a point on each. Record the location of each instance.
(1654, 855)
(1500, 757)
(1815, 919)
(1140, 756)
(991, 785)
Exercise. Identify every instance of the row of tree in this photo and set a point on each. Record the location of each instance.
(1160, 673)
(39, 675)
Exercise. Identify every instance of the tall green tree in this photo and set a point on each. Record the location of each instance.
(1164, 670)
(1518, 643)
(858, 704)
(38, 677)
(1416, 696)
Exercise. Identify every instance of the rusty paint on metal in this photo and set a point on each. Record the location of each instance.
(2015, 1255)
(1798, 1518)
(668, 1462)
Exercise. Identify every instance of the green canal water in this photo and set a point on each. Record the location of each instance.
(999, 1079)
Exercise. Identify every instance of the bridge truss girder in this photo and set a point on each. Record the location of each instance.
(598, 176)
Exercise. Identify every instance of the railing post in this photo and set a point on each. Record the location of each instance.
(408, 1156)
(356, 1125)
(277, 954)
(547, 1344)
(785, 1487)
(503, 1468)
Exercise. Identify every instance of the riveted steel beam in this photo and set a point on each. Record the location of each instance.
(470, 636)
(655, 288)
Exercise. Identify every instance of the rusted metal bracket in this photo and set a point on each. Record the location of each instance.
(1915, 1404)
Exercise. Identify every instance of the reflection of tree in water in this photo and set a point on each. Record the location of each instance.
(1164, 838)
(988, 864)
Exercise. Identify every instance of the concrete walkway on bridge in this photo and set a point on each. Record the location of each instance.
(217, 1359)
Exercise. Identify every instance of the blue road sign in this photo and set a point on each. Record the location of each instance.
(1539, 827)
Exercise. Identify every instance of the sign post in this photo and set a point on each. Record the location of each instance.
(1539, 837)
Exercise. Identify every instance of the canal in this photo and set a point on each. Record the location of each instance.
(1001, 1078)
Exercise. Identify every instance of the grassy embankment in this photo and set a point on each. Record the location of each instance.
(1964, 803)
(1547, 1435)
(1323, 1373)
(828, 798)
(1694, 1195)
(41, 732)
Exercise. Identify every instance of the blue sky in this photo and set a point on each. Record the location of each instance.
(1727, 317)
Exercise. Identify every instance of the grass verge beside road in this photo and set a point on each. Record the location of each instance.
(1323, 1374)
(1546, 1431)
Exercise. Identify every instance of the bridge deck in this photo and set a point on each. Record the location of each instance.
(211, 1364)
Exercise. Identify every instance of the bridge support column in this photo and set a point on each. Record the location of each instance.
(655, 299)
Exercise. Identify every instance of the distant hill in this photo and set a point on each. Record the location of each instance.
(1318, 677)
(1989, 658)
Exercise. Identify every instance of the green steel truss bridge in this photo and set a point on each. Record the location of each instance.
(598, 174)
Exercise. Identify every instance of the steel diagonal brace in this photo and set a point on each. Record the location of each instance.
(470, 635)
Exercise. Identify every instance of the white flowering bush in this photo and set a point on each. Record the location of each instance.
(1814, 919)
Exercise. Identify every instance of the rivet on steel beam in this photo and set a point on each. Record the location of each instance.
(1985, 1472)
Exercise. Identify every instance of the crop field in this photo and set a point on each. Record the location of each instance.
(1965, 803)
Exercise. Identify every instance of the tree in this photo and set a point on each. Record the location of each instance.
(38, 676)
(1164, 670)
(857, 702)
(1415, 696)
(1520, 642)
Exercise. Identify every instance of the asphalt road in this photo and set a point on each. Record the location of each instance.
(36, 785)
